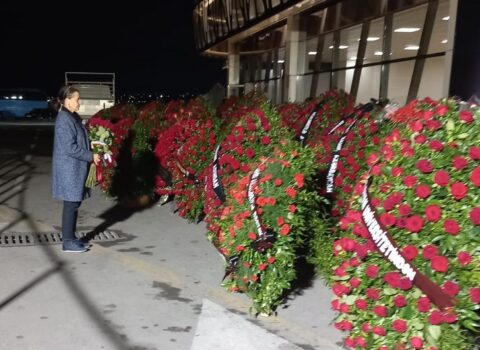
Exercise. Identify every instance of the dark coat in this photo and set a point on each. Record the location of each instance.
(71, 158)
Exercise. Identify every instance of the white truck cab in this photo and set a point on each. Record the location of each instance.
(97, 90)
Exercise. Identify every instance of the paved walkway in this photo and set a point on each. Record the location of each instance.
(157, 288)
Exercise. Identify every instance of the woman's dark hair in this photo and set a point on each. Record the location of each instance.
(66, 91)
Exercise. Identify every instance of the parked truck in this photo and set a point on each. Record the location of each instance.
(97, 90)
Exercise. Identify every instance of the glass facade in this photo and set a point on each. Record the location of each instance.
(369, 48)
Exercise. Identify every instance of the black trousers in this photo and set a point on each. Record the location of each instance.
(69, 219)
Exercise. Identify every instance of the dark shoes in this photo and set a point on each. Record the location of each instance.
(74, 246)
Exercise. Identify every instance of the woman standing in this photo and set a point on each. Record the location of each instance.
(71, 159)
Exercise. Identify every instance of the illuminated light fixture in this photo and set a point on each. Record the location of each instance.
(341, 47)
(411, 47)
(352, 58)
(444, 41)
(371, 38)
(378, 53)
(446, 18)
(312, 53)
(406, 30)
(281, 61)
(14, 97)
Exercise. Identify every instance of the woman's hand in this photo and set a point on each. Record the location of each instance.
(96, 158)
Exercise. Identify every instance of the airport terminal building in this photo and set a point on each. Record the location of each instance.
(294, 49)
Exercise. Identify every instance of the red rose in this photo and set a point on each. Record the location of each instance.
(380, 310)
(410, 252)
(344, 325)
(433, 213)
(435, 317)
(441, 110)
(459, 162)
(451, 227)
(466, 116)
(420, 139)
(405, 284)
(291, 192)
(436, 145)
(361, 304)
(459, 190)
(475, 177)
(416, 126)
(441, 178)
(451, 288)
(393, 279)
(372, 271)
(354, 282)
(397, 171)
(387, 219)
(250, 153)
(349, 342)
(424, 166)
(416, 342)
(414, 224)
(474, 152)
(404, 210)
(475, 295)
(285, 230)
(475, 216)
(265, 140)
(433, 125)
(464, 258)
(361, 342)
(399, 326)
(399, 301)
(409, 181)
(450, 317)
(277, 182)
(299, 180)
(439, 263)
(423, 191)
(423, 304)
(379, 330)
(373, 293)
(430, 251)
(292, 208)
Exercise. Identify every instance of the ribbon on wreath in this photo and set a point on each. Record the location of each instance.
(216, 183)
(332, 169)
(388, 248)
(265, 237)
(306, 127)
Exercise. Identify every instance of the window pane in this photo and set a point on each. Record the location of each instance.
(407, 30)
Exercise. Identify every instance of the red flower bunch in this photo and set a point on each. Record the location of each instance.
(424, 189)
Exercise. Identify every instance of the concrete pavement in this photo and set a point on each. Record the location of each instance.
(156, 288)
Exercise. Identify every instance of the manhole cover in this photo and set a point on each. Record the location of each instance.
(13, 239)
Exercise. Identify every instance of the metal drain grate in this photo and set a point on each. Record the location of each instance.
(13, 239)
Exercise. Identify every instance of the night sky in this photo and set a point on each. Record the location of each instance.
(149, 45)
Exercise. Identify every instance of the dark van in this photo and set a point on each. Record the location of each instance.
(24, 103)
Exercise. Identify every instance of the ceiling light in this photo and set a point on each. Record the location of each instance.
(444, 41)
(378, 53)
(446, 18)
(407, 30)
(312, 53)
(411, 47)
(281, 61)
(352, 58)
(371, 38)
(341, 47)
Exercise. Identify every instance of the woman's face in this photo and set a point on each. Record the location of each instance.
(73, 102)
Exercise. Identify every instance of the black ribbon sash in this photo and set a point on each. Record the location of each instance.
(306, 127)
(265, 238)
(216, 183)
(332, 169)
(388, 248)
